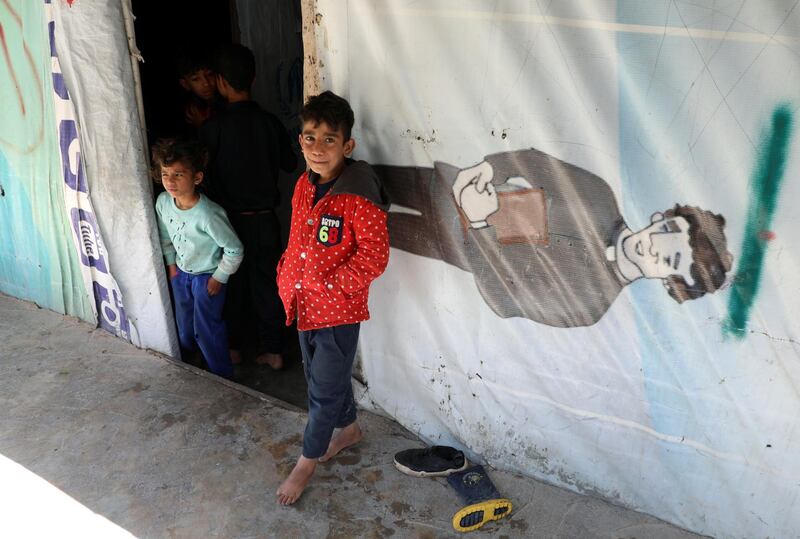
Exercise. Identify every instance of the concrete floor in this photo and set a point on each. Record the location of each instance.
(145, 446)
(287, 384)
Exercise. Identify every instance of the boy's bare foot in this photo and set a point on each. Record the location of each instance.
(236, 356)
(294, 485)
(350, 435)
(275, 361)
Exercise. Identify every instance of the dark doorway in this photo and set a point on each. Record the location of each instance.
(164, 32)
(167, 31)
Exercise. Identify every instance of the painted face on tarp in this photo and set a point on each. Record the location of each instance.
(662, 249)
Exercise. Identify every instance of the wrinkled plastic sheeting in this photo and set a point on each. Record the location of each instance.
(271, 29)
(520, 144)
(37, 258)
(93, 50)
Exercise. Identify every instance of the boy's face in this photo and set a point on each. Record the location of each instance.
(661, 249)
(325, 149)
(202, 83)
(179, 179)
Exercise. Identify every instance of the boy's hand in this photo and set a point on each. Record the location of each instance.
(213, 287)
(172, 271)
(196, 116)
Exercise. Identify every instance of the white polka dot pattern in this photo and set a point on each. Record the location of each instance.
(324, 283)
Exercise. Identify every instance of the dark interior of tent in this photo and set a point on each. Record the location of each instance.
(168, 31)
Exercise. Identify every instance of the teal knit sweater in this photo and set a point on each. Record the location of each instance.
(200, 239)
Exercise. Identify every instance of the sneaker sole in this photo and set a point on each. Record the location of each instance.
(414, 473)
(476, 515)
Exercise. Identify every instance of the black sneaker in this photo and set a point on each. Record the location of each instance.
(436, 461)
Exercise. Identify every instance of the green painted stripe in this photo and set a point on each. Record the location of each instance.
(765, 186)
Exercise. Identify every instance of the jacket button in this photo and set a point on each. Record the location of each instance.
(303, 255)
(297, 286)
(310, 221)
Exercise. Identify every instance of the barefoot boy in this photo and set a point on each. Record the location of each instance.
(338, 244)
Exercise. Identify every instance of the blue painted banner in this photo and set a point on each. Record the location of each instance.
(88, 240)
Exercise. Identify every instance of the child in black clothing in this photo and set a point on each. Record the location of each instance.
(200, 82)
(247, 147)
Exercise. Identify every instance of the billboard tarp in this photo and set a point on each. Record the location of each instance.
(592, 274)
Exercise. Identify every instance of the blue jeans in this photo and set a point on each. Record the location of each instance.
(199, 320)
(328, 356)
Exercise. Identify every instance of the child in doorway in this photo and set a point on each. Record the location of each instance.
(201, 250)
(338, 244)
(200, 82)
(248, 147)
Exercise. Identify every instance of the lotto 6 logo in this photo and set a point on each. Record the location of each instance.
(326, 234)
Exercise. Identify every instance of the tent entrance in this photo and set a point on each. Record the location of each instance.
(166, 33)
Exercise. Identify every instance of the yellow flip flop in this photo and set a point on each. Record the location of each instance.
(476, 515)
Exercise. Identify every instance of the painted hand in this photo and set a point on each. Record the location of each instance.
(475, 193)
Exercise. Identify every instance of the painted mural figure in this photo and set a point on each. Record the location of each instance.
(545, 240)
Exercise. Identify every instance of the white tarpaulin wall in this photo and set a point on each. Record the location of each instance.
(506, 322)
(92, 45)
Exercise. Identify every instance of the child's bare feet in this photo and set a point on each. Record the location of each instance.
(236, 356)
(350, 435)
(294, 485)
(275, 361)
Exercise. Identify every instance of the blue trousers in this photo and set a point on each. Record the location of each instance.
(199, 320)
(328, 356)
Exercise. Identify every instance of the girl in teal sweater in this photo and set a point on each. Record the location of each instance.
(201, 250)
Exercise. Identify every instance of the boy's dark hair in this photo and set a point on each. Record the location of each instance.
(329, 108)
(191, 61)
(237, 65)
(168, 151)
(711, 260)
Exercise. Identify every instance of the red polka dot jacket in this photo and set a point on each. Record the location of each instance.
(336, 249)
